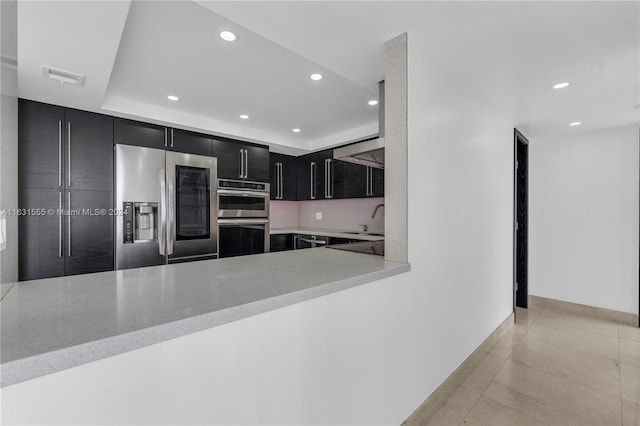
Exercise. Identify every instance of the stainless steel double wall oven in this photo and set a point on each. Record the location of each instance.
(243, 217)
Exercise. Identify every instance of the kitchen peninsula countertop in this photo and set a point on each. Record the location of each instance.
(353, 235)
(58, 323)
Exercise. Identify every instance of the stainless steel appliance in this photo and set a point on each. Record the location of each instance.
(168, 207)
(243, 217)
(239, 198)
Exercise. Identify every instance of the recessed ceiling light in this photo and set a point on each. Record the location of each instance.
(173, 98)
(244, 116)
(561, 85)
(575, 123)
(296, 130)
(227, 36)
(373, 102)
(315, 77)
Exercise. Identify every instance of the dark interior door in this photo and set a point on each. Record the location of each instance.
(521, 226)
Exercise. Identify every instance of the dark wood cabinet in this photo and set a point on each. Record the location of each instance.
(190, 142)
(89, 234)
(89, 149)
(40, 145)
(129, 132)
(237, 160)
(73, 169)
(317, 174)
(284, 177)
(283, 242)
(41, 245)
(377, 183)
(358, 181)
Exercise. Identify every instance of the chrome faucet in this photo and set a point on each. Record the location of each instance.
(376, 210)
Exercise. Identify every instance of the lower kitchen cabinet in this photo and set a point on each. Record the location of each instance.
(74, 235)
(283, 242)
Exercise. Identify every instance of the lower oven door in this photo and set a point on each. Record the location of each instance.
(239, 237)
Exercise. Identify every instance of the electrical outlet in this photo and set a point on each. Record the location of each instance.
(318, 215)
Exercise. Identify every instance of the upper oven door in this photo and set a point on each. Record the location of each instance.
(242, 203)
(191, 206)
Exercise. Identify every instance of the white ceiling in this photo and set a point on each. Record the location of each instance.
(509, 53)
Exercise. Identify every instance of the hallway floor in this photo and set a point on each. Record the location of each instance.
(553, 368)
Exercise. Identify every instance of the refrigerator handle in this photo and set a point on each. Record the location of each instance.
(162, 212)
(171, 212)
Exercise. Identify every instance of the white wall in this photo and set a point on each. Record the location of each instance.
(584, 218)
(8, 142)
(368, 355)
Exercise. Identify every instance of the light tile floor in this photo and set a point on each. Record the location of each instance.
(553, 368)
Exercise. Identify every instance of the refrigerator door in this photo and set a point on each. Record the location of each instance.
(139, 213)
(192, 212)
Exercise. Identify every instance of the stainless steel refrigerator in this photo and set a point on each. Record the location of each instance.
(166, 207)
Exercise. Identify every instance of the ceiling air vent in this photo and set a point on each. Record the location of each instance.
(62, 76)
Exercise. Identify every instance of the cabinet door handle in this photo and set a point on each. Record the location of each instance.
(328, 178)
(171, 138)
(165, 137)
(368, 181)
(60, 224)
(313, 176)
(60, 153)
(246, 164)
(69, 224)
(241, 163)
(69, 153)
(281, 181)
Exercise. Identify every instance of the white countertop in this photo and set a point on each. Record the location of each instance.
(58, 323)
(327, 233)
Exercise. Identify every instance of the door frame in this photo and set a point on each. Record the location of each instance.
(518, 137)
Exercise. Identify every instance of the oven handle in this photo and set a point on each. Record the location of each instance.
(243, 193)
(242, 221)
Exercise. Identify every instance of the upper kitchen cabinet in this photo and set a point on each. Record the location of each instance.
(317, 174)
(238, 160)
(129, 132)
(284, 177)
(40, 145)
(358, 181)
(189, 142)
(64, 148)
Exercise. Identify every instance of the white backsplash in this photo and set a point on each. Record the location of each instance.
(283, 214)
(343, 215)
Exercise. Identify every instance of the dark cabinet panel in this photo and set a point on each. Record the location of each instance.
(257, 163)
(40, 247)
(190, 143)
(311, 241)
(237, 160)
(89, 148)
(378, 182)
(282, 242)
(284, 177)
(129, 132)
(229, 156)
(89, 233)
(40, 145)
